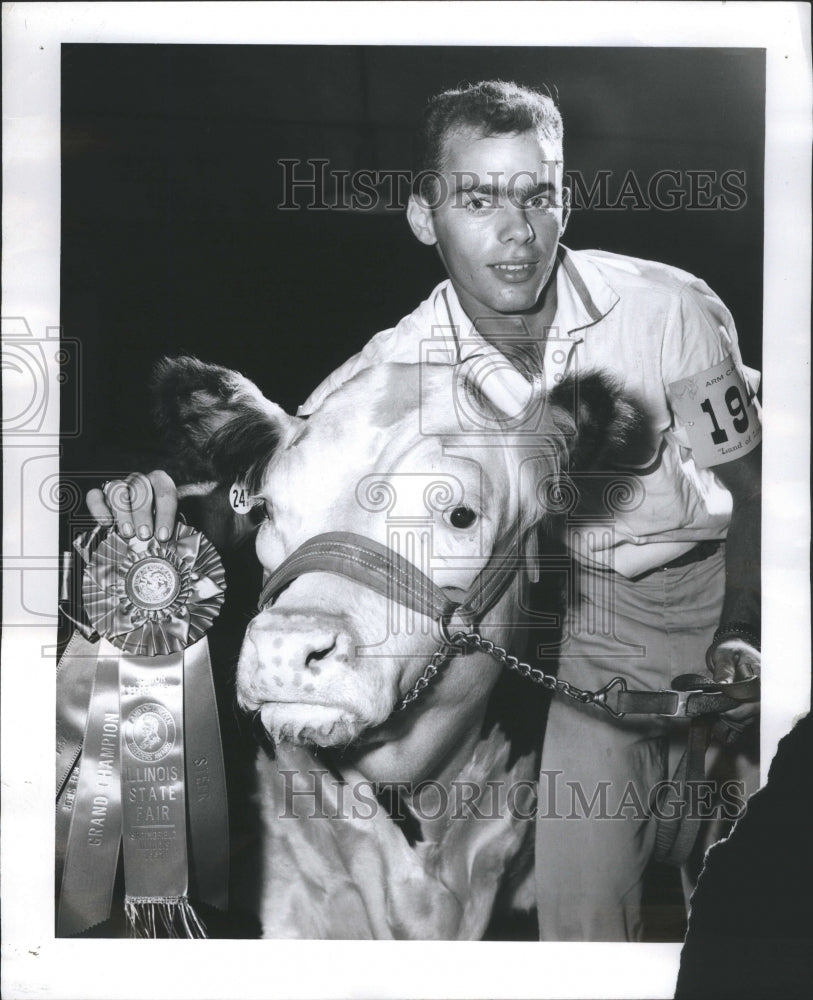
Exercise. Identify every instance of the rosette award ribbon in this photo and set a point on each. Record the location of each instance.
(139, 757)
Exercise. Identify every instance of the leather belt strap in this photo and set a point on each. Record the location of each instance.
(703, 550)
(674, 704)
(691, 696)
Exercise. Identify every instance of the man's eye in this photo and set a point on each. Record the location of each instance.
(475, 204)
(538, 201)
(462, 517)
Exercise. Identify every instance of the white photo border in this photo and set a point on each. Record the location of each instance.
(35, 964)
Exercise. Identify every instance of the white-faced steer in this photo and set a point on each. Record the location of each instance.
(419, 471)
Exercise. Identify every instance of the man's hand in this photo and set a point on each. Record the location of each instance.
(140, 505)
(733, 659)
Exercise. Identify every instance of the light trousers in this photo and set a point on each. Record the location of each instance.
(594, 834)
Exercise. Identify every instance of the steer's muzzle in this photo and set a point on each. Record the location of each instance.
(302, 673)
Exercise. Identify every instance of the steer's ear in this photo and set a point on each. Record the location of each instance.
(608, 428)
(197, 406)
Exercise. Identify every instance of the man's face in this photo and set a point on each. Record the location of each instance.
(498, 222)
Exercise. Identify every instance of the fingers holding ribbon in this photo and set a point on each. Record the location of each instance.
(165, 497)
(141, 505)
(97, 505)
(113, 503)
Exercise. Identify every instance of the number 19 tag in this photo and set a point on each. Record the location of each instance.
(718, 414)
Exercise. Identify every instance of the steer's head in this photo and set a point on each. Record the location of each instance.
(417, 458)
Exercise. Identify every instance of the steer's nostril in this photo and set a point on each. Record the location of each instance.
(319, 654)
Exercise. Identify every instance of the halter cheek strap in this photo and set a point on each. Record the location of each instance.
(388, 573)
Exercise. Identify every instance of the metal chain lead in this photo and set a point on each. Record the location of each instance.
(473, 640)
(430, 672)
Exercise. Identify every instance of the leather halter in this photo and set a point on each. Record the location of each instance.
(388, 573)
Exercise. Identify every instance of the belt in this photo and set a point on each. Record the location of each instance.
(703, 550)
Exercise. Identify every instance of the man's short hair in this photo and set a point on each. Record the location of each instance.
(491, 107)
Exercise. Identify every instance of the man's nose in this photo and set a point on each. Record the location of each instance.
(514, 225)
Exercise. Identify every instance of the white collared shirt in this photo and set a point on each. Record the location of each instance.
(646, 324)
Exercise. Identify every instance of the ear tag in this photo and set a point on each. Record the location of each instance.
(240, 499)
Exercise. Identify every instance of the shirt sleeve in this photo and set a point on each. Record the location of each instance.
(700, 335)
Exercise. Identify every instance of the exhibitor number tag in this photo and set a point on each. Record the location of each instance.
(240, 499)
(718, 413)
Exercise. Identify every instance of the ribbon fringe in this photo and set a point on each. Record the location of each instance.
(170, 916)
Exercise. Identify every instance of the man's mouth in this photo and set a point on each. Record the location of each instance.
(515, 270)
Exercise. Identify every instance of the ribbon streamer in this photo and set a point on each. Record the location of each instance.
(136, 709)
(95, 826)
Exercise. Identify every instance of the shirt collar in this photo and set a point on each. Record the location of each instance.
(583, 295)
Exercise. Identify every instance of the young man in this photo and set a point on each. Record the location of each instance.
(673, 582)
(676, 581)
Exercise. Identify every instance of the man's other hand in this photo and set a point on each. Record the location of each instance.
(734, 659)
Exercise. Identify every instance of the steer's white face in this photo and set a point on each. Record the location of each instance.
(384, 458)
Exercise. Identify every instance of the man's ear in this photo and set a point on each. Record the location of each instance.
(566, 206)
(421, 222)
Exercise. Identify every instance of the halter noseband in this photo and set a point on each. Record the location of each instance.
(388, 573)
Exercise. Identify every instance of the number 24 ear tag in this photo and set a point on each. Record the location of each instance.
(241, 500)
(719, 414)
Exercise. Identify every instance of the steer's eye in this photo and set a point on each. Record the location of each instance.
(462, 517)
(260, 511)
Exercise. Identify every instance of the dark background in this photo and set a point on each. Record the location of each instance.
(172, 241)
